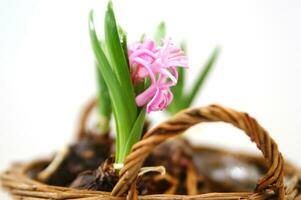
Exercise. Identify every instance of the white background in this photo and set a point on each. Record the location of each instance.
(47, 72)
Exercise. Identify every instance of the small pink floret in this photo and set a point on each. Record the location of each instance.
(159, 65)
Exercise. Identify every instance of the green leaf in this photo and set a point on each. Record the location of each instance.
(201, 78)
(119, 63)
(178, 93)
(181, 82)
(135, 135)
(120, 106)
(178, 89)
(160, 33)
(184, 46)
(124, 45)
(103, 103)
(142, 38)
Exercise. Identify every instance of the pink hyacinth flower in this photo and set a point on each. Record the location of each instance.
(159, 64)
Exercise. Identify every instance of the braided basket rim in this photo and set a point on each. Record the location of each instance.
(18, 183)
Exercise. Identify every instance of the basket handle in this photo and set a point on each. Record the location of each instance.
(85, 113)
(185, 119)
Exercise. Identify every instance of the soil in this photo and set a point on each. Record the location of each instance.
(176, 156)
(89, 166)
(86, 154)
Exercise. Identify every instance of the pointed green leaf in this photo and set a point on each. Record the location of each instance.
(177, 92)
(142, 38)
(103, 103)
(181, 70)
(124, 45)
(201, 78)
(160, 33)
(118, 61)
(178, 89)
(117, 93)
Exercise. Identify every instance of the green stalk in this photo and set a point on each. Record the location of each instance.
(135, 134)
(103, 103)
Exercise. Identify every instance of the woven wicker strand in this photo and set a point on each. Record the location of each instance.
(22, 186)
(81, 130)
(273, 179)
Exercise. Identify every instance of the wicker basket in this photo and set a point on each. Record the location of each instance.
(17, 180)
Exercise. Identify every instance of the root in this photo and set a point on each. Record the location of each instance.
(173, 181)
(44, 175)
(191, 180)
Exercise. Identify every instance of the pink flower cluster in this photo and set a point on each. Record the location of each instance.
(159, 64)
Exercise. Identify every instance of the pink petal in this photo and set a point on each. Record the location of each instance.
(153, 104)
(144, 64)
(159, 64)
(145, 96)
